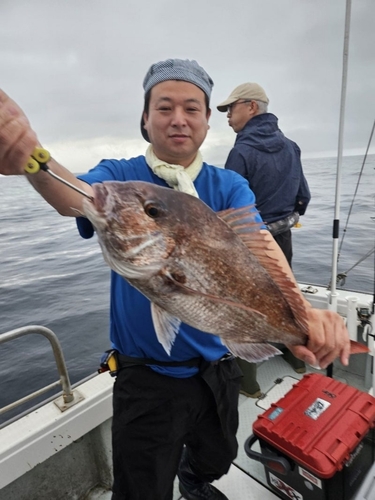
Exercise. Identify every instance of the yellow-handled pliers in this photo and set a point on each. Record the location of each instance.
(38, 161)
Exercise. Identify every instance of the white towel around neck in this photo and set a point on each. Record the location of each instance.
(176, 176)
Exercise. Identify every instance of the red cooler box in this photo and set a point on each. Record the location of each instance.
(317, 442)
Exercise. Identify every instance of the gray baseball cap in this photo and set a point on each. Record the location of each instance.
(176, 69)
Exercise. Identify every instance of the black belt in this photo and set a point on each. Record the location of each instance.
(126, 361)
(227, 357)
(130, 361)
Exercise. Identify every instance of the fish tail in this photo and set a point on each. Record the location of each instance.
(358, 348)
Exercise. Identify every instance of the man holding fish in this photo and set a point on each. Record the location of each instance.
(202, 282)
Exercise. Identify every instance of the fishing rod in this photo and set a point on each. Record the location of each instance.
(333, 295)
(341, 277)
(356, 189)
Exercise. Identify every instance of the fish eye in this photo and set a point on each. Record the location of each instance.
(151, 210)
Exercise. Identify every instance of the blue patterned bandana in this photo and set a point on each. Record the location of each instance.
(178, 69)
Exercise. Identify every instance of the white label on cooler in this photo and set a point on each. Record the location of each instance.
(313, 479)
(317, 408)
(284, 488)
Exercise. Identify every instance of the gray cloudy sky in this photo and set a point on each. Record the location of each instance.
(76, 68)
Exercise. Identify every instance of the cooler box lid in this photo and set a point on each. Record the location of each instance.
(318, 423)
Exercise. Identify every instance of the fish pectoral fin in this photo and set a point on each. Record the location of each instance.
(212, 297)
(252, 352)
(166, 326)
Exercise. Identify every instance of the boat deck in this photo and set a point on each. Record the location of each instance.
(246, 479)
(29, 445)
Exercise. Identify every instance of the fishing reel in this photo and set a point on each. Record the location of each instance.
(364, 315)
(341, 279)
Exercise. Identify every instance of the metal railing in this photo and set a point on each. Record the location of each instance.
(67, 393)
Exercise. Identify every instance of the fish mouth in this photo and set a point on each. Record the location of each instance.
(123, 252)
(95, 209)
(94, 216)
(101, 195)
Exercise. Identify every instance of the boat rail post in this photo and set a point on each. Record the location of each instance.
(68, 397)
(352, 317)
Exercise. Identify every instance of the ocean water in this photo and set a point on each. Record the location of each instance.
(49, 276)
(312, 243)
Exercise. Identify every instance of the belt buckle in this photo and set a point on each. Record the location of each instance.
(227, 357)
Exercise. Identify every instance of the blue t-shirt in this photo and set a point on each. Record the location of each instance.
(131, 329)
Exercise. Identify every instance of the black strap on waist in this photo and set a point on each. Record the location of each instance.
(124, 361)
(283, 225)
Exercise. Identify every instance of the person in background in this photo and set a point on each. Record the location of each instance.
(271, 163)
(174, 414)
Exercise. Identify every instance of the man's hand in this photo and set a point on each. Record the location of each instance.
(328, 339)
(17, 139)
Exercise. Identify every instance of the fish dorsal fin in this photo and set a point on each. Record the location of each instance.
(166, 326)
(241, 219)
(242, 222)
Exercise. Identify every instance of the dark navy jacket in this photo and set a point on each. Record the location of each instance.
(271, 164)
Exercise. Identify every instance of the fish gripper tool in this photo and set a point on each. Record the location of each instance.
(38, 161)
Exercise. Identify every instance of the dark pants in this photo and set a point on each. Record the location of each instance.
(284, 240)
(155, 415)
(249, 383)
